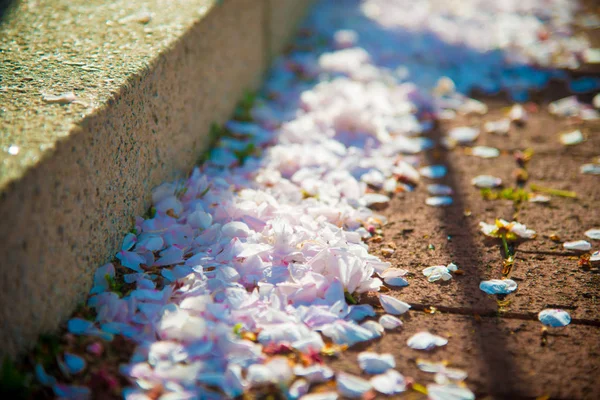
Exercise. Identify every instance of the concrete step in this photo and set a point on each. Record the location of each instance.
(149, 78)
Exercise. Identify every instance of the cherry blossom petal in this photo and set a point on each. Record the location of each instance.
(593, 233)
(374, 327)
(486, 181)
(426, 341)
(131, 260)
(485, 152)
(299, 388)
(351, 386)
(389, 383)
(439, 190)
(342, 332)
(390, 322)
(320, 396)
(433, 171)
(373, 363)
(74, 363)
(554, 317)
(395, 281)
(498, 286)
(439, 201)
(449, 392)
(578, 245)
(463, 134)
(392, 305)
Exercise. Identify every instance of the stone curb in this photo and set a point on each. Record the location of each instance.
(150, 78)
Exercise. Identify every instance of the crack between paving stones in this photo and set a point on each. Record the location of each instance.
(474, 312)
(544, 253)
(553, 153)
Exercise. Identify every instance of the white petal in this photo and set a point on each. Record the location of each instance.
(281, 371)
(390, 185)
(439, 201)
(498, 286)
(320, 396)
(259, 374)
(393, 273)
(487, 229)
(463, 134)
(360, 312)
(578, 245)
(313, 341)
(170, 255)
(131, 260)
(315, 373)
(442, 372)
(522, 231)
(373, 363)
(374, 178)
(74, 363)
(235, 229)
(426, 341)
(63, 98)
(518, 114)
(392, 382)
(428, 271)
(374, 199)
(352, 386)
(395, 281)
(433, 171)
(485, 152)
(567, 106)
(500, 127)
(439, 190)
(234, 383)
(538, 198)
(593, 233)
(572, 138)
(456, 374)
(554, 317)
(342, 332)
(389, 322)
(591, 169)
(374, 327)
(437, 272)
(298, 388)
(449, 392)
(42, 377)
(199, 219)
(430, 366)
(128, 242)
(473, 106)
(392, 305)
(486, 181)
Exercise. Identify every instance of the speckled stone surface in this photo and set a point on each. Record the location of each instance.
(150, 77)
(282, 13)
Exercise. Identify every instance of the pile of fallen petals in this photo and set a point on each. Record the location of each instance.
(251, 256)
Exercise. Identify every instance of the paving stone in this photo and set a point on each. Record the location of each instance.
(504, 358)
(547, 275)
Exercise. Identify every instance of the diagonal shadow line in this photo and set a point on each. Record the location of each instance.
(501, 370)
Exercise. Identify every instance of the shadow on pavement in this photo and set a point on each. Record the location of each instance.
(5, 7)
